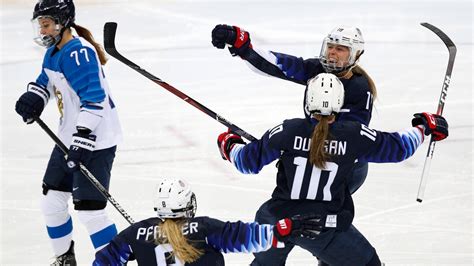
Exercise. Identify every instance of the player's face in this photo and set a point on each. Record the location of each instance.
(47, 26)
(338, 54)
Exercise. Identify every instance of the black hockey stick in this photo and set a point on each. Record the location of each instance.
(110, 29)
(442, 98)
(86, 172)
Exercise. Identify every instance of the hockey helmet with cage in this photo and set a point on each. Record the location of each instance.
(325, 94)
(350, 37)
(62, 12)
(175, 199)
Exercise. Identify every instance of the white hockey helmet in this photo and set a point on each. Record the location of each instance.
(174, 199)
(350, 37)
(325, 94)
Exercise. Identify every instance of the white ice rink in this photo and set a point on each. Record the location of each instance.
(164, 136)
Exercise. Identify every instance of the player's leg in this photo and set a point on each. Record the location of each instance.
(345, 248)
(274, 256)
(57, 187)
(90, 203)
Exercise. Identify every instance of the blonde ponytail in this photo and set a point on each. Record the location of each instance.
(317, 154)
(171, 232)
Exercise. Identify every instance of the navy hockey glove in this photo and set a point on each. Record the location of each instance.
(308, 226)
(434, 124)
(225, 143)
(80, 151)
(32, 102)
(237, 38)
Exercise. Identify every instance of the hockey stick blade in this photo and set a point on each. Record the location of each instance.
(442, 99)
(85, 172)
(110, 30)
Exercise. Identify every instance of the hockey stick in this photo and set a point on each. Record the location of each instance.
(442, 98)
(110, 29)
(86, 172)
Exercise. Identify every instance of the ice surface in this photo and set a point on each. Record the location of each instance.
(165, 136)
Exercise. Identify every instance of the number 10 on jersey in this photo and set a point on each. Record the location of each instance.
(315, 177)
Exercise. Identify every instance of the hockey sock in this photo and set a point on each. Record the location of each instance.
(101, 229)
(58, 221)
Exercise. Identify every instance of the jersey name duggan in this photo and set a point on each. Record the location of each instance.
(333, 147)
(149, 233)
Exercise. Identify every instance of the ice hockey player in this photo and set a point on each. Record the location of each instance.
(88, 122)
(176, 237)
(315, 157)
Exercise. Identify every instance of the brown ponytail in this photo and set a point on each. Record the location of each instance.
(171, 232)
(317, 154)
(360, 71)
(86, 34)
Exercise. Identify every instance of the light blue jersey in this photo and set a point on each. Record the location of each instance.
(74, 75)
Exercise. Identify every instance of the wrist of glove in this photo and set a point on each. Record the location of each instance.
(225, 143)
(433, 124)
(237, 38)
(307, 226)
(80, 151)
(31, 103)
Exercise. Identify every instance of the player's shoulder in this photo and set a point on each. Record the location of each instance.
(202, 220)
(357, 81)
(152, 221)
(78, 44)
(346, 128)
(291, 126)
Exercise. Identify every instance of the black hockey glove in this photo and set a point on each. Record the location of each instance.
(308, 226)
(32, 102)
(433, 124)
(237, 38)
(225, 143)
(80, 151)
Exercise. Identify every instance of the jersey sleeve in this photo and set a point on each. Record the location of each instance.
(43, 79)
(238, 236)
(117, 252)
(390, 147)
(252, 157)
(281, 65)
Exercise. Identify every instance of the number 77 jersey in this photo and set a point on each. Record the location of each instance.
(349, 142)
(74, 76)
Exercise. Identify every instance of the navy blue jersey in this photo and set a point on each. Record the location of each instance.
(357, 99)
(210, 235)
(325, 189)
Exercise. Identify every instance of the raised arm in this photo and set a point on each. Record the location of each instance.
(398, 146)
(265, 62)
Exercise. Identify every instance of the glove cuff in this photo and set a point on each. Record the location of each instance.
(86, 142)
(276, 243)
(38, 90)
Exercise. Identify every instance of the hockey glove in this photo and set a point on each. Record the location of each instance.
(80, 151)
(237, 38)
(32, 102)
(225, 143)
(433, 124)
(308, 226)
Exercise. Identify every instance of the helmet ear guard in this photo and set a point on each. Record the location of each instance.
(324, 95)
(350, 37)
(174, 199)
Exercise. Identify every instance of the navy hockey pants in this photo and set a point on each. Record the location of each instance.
(334, 247)
(57, 178)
